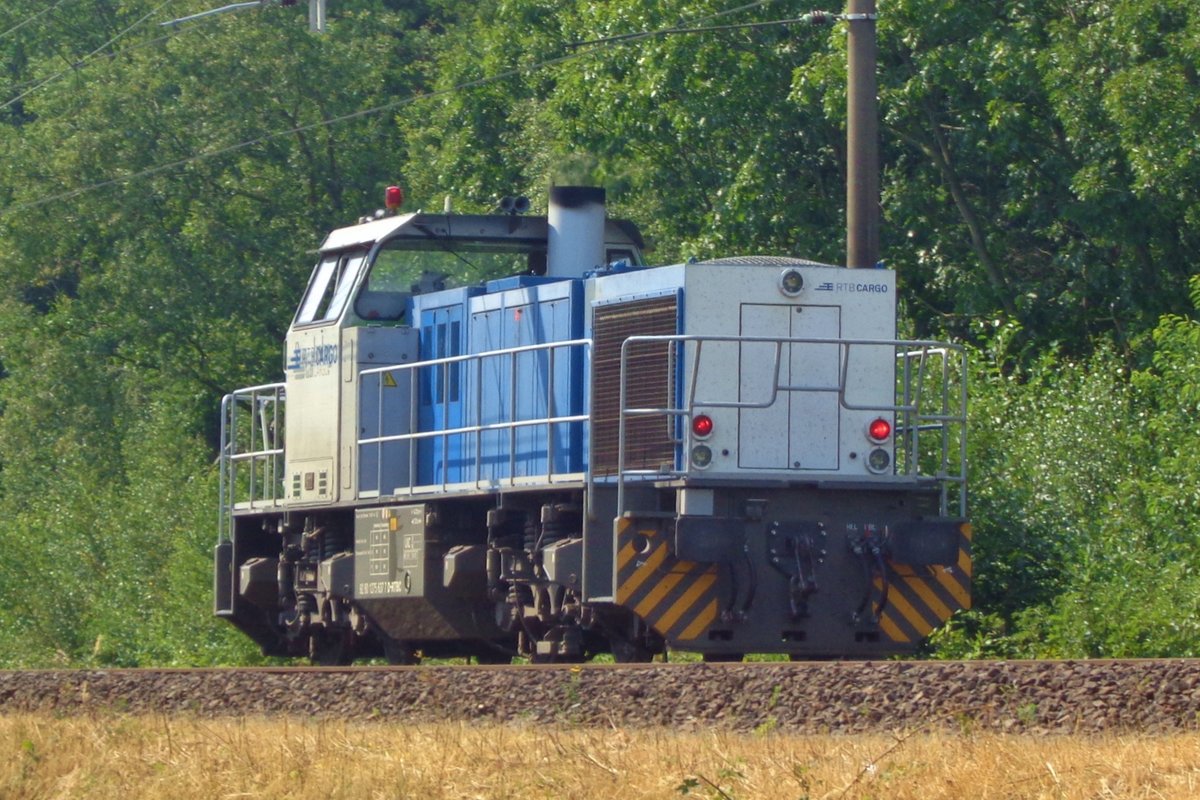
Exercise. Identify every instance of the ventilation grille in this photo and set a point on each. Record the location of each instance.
(649, 440)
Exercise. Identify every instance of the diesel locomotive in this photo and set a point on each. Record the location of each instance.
(586, 454)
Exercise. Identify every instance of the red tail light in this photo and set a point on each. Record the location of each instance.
(879, 430)
(702, 426)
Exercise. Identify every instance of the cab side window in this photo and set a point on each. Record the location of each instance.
(330, 286)
(386, 292)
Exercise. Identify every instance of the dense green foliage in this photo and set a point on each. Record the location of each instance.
(1086, 501)
(160, 190)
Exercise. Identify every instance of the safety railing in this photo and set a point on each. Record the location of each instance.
(929, 408)
(251, 459)
(929, 403)
(931, 431)
(489, 453)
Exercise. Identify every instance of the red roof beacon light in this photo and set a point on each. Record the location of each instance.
(393, 197)
(879, 430)
(702, 426)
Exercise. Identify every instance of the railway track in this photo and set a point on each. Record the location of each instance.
(1068, 697)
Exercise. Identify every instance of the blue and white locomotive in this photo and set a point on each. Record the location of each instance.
(590, 455)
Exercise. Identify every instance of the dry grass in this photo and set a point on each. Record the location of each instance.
(186, 759)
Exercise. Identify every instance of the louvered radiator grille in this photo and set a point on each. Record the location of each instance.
(648, 440)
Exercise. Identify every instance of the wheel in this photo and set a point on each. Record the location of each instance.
(400, 653)
(625, 651)
(492, 658)
(335, 649)
(492, 655)
(630, 640)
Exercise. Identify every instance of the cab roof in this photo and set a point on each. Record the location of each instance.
(465, 227)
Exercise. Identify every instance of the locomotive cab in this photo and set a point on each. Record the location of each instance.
(358, 312)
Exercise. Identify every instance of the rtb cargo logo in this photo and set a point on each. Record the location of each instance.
(851, 288)
(314, 360)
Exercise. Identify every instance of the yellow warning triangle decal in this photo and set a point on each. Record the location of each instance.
(389, 381)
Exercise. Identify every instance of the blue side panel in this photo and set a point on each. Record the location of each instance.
(511, 388)
(442, 319)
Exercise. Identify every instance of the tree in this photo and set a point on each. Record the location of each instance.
(127, 312)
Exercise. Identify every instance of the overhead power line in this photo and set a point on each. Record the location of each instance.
(813, 18)
(123, 51)
(86, 58)
(498, 77)
(35, 17)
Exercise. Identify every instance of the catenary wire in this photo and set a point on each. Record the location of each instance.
(498, 77)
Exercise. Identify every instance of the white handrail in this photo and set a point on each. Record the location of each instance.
(908, 406)
(250, 416)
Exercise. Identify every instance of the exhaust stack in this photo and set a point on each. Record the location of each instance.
(575, 242)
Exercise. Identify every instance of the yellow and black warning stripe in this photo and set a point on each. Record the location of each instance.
(920, 600)
(678, 599)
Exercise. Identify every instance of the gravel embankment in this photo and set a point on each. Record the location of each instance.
(1029, 697)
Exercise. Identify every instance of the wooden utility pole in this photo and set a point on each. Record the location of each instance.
(862, 138)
